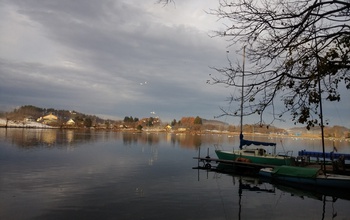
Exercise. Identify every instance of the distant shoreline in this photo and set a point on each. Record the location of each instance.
(45, 127)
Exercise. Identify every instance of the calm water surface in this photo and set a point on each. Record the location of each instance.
(54, 174)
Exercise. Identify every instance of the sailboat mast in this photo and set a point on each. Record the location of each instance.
(242, 90)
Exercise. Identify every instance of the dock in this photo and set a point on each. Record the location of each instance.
(330, 155)
(243, 166)
(253, 168)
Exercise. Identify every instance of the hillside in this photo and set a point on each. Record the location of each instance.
(29, 116)
(334, 131)
(29, 113)
(214, 122)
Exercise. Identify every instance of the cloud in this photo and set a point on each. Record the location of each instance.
(91, 56)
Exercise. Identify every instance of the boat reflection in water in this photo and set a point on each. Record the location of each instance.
(247, 184)
(303, 189)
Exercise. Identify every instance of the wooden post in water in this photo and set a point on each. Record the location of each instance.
(320, 101)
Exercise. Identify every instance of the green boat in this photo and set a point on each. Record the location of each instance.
(305, 176)
(255, 155)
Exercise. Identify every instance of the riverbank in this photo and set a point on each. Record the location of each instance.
(27, 124)
(37, 125)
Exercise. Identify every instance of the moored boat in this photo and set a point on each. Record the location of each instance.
(331, 155)
(306, 175)
(255, 155)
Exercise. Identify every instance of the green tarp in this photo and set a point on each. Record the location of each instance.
(296, 171)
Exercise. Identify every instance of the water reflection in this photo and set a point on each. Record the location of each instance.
(248, 186)
(315, 192)
(33, 138)
(76, 174)
(51, 138)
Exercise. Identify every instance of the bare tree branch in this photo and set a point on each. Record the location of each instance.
(290, 45)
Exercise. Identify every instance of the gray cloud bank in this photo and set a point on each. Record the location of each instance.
(112, 58)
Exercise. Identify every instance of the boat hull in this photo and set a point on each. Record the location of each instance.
(322, 180)
(257, 159)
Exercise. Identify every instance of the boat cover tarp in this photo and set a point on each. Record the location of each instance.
(330, 155)
(248, 142)
(305, 172)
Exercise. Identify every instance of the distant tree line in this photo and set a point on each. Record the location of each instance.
(196, 124)
(33, 112)
(130, 119)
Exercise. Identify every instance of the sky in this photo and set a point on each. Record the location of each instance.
(117, 58)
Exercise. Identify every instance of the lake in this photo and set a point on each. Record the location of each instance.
(73, 174)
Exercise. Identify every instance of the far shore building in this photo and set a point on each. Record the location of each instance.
(47, 119)
(168, 128)
(70, 122)
(182, 129)
(29, 119)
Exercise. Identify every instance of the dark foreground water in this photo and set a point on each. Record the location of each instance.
(54, 174)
